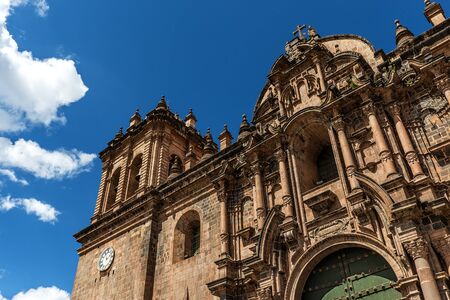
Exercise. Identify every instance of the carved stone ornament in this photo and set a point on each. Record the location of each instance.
(417, 248)
(335, 227)
(321, 203)
(407, 74)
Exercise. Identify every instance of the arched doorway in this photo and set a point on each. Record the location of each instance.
(351, 273)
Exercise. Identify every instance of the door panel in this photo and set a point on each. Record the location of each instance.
(352, 273)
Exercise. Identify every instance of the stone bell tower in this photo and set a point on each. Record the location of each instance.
(151, 151)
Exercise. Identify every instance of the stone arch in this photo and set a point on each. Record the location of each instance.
(309, 136)
(304, 262)
(187, 236)
(383, 199)
(269, 233)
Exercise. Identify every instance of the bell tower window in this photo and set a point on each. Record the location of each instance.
(113, 187)
(135, 176)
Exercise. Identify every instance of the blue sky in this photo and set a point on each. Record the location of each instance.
(212, 56)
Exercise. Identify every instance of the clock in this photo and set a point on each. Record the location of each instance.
(106, 258)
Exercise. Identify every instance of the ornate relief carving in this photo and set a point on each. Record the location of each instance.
(335, 227)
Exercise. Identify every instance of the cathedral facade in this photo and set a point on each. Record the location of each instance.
(338, 188)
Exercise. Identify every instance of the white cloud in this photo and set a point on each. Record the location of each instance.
(43, 293)
(32, 90)
(1, 297)
(45, 212)
(30, 157)
(12, 176)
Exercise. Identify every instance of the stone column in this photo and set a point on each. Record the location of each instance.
(288, 210)
(123, 177)
(101, 190)
(320, 74)
(349, 162)
(380, 140)
(259, 194)
(154, 159)
(301, 205)
(405, 141)
(222, 197)
(442, 245)
(146, 159)
(418, 250)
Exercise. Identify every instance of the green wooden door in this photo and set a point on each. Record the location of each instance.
(352, 273)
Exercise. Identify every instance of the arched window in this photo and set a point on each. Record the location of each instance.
(314, 155)
(112, 191)
(326, 166)
(187, 236)
(135, 176)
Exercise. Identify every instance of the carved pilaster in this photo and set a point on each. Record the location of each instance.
(405, 141)
(418, 250)
(288, 208)
(350, 166)
(259, 194)
(383, 149)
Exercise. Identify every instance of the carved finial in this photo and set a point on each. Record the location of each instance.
(312, 32)
(402, 34)
(119, 134)
(162, 103)
(427, 2)
(190, 119)
(135, 118)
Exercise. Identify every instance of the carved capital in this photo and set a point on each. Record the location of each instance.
(287, 200)
(260, 212)
(265, 293)
(224, 237)
(256, 168)
(443, 83)
(385, 156)
(369, 108)
(280, 155)
(395, 110)
(351, 170)
(417, 248)
(338, 123)
(412, 158)
(221, 195)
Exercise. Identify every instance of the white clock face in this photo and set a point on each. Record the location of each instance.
(106, 259)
